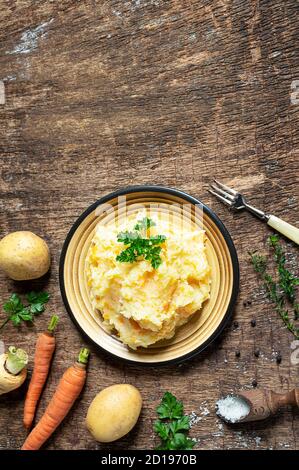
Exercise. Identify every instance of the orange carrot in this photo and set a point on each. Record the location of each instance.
(44, 350)
(68, 390)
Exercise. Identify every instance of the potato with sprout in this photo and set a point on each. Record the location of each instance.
(13, 370)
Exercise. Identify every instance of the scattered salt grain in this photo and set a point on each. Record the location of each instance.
(232, 408)
(194, 419)
(204, 411)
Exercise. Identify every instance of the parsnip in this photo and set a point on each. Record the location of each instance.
(13, 370)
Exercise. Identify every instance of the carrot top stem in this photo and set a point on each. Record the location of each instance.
(53, 322)
(83, 356)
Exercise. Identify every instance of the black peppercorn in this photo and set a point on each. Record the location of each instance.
(257, 353)
(236, 324)
(237, 353)
(254, 383)
(278, 358)
(253, 323)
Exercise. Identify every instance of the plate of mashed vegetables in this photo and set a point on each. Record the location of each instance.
(149, 274)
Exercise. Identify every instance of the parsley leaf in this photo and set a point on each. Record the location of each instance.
(17, 312)
(162, 429)
(13, 304)
(144, 224)
(181, 441)
(128, 237)
(170, 407)
(182, 424)
(172, 425)
(37, 308)
(38, 297)
(15, 318)
(25, 315)
(139, 246)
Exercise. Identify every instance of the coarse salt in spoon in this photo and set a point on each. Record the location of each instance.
(254, 405)
(232, 408)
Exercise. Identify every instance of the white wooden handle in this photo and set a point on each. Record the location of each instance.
(283, 227)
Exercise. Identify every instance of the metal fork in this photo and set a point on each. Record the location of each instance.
(237, 201)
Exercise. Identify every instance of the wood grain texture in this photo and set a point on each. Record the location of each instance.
(103, 94)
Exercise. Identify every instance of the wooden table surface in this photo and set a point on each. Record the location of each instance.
(104, 94)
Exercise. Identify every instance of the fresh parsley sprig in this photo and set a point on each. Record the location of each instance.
(173, 425)
(141, 246)
(17, 312)
(283, 290)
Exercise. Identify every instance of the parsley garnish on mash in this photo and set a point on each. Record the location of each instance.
(139, 245)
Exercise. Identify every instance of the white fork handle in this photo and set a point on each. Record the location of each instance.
(283, 227)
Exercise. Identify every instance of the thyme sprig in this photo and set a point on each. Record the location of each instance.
(282, 290)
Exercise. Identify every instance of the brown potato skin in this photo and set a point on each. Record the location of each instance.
(24, 256)
(114, 412)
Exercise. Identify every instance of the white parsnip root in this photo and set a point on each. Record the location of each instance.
(13, 370)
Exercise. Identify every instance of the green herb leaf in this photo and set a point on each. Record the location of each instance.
(281, 291)
(172, 425)
(38, 297)
(156, 240)
(13, 304)
(16, 319)
(144, 224)
(25, 315)
(162, 429)
(37, 308)
(128, 255)
(128, 237)
(182, 424)
(18, 313)
(259, 262)
(287, 281)
(181, 442)
(170, 407)
(138, 246)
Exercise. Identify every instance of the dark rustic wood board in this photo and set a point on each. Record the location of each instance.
(104, 94)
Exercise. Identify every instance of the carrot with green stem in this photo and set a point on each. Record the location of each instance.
(68, 390)
(44, 350)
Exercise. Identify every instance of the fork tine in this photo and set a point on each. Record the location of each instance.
(226, 188)
(223, 199)
(224, 193)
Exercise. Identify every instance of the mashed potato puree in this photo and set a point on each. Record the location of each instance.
(142, 304)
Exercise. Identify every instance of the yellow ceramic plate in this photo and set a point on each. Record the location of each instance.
(203, 327)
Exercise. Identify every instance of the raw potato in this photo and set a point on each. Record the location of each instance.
(24, 256)
(114, 412)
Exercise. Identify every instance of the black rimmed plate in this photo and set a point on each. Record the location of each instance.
(204, 326)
